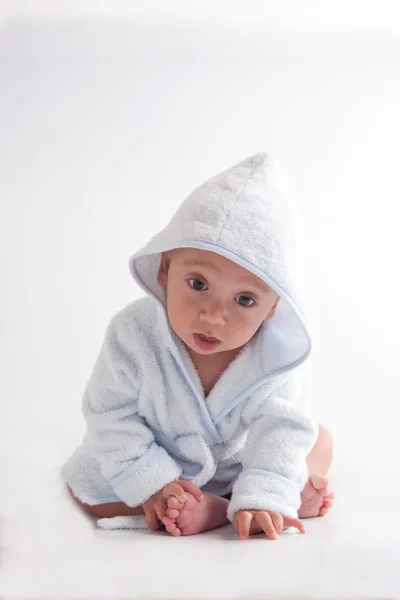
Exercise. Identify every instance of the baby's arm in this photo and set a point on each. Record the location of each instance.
(274, 456)
(130, 460)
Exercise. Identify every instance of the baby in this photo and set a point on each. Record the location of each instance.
(199, 408)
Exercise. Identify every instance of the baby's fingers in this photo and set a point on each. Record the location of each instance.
(174, 489)
(265, 522)
(277, 521)
(243, 521)
(188, 486)
(152, 520)
(292, 522)
(160, 508)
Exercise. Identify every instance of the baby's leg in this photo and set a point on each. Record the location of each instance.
(316, 498)
(320, 458)
(111, 509)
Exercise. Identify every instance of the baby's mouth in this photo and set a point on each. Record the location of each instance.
(208, 339)
(206, 343)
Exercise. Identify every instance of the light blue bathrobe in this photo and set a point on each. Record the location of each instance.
(148, 420)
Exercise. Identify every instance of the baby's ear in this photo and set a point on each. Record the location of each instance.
(272, 310)
(162, 275)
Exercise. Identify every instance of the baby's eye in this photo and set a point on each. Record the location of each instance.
(196, 282)
(247, 300)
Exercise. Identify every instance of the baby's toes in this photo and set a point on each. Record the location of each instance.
(172, 512)
(172, 502)
(327, 496)
(185, 519)
(319, 482)
(326, 506)
(173, 530)
(167, 520)
(170, 527)
(324, 510)
(327, 503)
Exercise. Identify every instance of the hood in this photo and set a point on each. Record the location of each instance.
(244, 215)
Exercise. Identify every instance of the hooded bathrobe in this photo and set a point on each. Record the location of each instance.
(148, 420)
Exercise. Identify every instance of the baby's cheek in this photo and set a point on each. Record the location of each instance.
(180, 314)
(242, 332)
(237, 337)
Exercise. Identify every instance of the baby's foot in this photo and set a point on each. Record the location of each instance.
(316, 498)
(193, 517)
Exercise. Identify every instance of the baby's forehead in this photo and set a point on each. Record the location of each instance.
(195, 257)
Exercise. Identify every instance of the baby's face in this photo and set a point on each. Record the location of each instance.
(209, 295)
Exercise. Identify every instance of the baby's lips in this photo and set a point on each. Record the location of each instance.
(208, 337)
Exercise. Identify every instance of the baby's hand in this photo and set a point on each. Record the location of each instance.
(270, 521)
(155, 508)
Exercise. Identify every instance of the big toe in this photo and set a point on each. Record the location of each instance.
(319, 482)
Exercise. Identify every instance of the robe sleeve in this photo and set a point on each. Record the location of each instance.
(130, 460)
(274, 456)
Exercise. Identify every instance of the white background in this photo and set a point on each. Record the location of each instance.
(109, 122)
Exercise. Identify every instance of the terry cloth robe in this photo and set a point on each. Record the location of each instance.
(148, 420)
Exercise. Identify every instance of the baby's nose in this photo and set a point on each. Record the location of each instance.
(213, 316)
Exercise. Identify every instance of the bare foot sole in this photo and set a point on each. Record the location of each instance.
(316, 498)
(193, 517)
